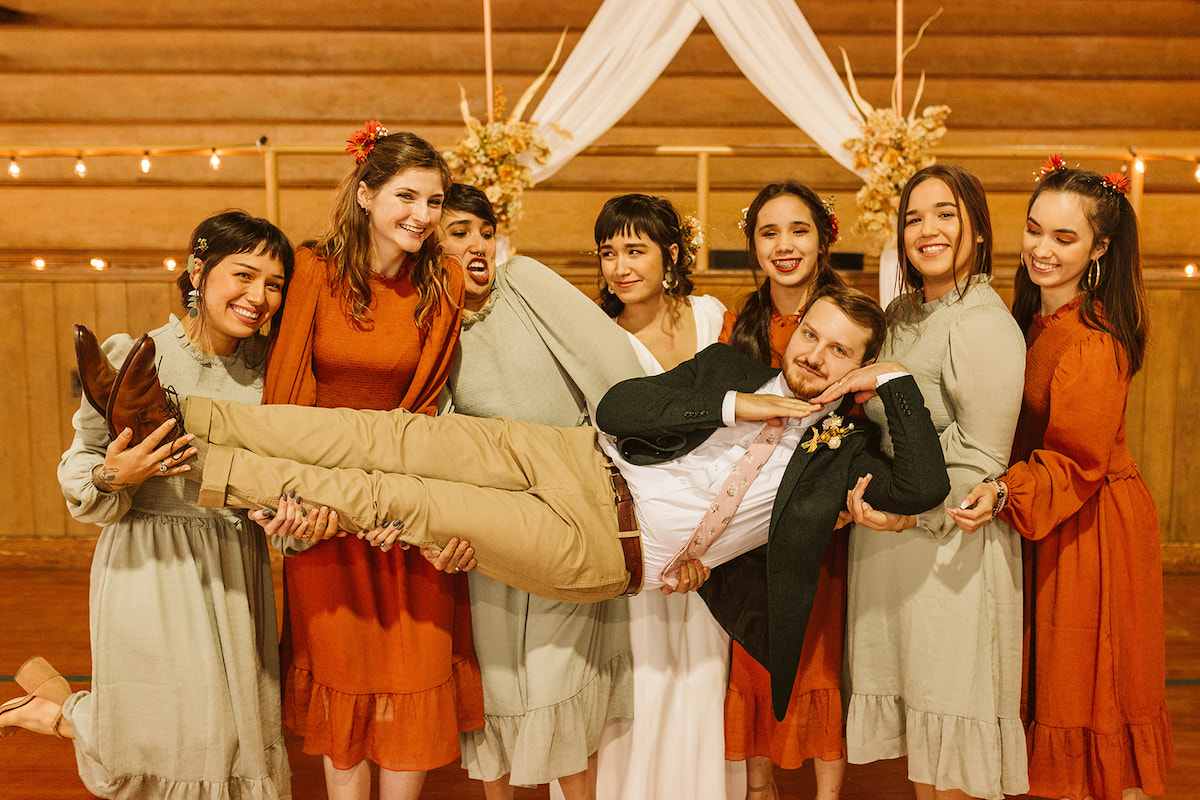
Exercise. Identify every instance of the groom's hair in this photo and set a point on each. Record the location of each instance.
(862, 310)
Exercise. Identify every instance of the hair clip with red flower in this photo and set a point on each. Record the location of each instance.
(1050, 165)
(363, 141)
(833, 220)
(1116, 182)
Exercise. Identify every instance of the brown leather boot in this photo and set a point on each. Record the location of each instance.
(96, 375)
(137, 400)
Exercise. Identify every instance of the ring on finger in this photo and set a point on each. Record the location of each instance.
(163, 467)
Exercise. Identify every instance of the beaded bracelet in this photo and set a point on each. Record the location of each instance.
(1001, 495)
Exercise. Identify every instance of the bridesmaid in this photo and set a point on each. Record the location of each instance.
(534, 348)
(377, 643)
(789, 233)
(674, 746)
(1097, 713)
(184, 701)
(933, 620)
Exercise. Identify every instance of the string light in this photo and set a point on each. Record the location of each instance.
(98, 263)
(1139, 165)
(170, 264)
(14, 169)
(215, 160)
(1190, 270)
(80, 167)
(1198, 171)
(145, 163)
(38, 263)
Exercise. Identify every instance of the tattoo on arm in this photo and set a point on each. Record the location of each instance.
(105, 479)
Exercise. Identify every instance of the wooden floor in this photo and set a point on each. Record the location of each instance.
(44, 612)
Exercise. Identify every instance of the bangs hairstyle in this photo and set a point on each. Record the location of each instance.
(230, 233)
(465, 199)
(970, 198)
(347, 242)
(862, 309)
(1117, 305)
(657, 220)
(752, 331)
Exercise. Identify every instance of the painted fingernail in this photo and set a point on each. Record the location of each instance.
(292, 493)
(303, 512)
(397, 523)
(268, 513)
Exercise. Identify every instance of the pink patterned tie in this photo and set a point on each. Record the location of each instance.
(721, 510)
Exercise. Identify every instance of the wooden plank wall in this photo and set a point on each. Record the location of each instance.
(38, 396)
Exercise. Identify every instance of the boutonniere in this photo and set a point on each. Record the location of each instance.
(829, 434)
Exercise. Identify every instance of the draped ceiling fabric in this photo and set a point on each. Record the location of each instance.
(629, 43)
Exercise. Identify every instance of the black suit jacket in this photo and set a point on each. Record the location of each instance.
(764, 598)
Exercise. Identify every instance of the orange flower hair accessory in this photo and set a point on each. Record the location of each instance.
(1049, 165)
(833, 220)
(363, 141)
(1116, 182)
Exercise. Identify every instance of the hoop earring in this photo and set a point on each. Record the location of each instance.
(1091, 278)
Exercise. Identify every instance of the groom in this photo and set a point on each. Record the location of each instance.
(546, 512)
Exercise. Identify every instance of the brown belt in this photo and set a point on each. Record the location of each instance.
(631, 546)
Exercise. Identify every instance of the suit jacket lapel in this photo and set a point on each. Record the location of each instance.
(787, 484)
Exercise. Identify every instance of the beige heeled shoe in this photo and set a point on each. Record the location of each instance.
(39, 679)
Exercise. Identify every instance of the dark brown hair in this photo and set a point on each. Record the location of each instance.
(227, 234)
(968, 193)
(1117, 305)
(752, 332)
(469, 200)
(656, 219)
(347, 241)
(862, 309)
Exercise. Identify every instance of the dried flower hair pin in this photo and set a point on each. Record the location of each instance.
(1051, 164)
(363, 141)
(1116, 182)
(833, 220)
(742, 219)
(693, 237)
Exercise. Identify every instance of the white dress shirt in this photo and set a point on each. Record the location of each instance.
(671, 497)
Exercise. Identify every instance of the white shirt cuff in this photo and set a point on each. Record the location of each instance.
(729, 409)
(888, 376)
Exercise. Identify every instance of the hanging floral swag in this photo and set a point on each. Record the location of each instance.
(892, 148)
(495, 156)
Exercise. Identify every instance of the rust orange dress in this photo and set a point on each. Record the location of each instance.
(377, 655)
(1097, 713)
(812, 727)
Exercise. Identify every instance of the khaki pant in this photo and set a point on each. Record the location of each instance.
(534, 501)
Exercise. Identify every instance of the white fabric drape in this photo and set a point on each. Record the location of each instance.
(629, 43)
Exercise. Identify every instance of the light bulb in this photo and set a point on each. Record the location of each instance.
(1139, 165)
(145, 163)
(215, 160)
(170, 264)
(14, 169)
(38, 263)
(80, 167)
(98, 263)
(1198, 172)
(1190, 270)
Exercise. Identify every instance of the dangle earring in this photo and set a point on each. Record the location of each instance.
(193, 297)
(1091, 279)
(668, 281)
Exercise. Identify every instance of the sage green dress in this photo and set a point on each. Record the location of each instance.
(553, 673)
(184, 700)
(933, 620)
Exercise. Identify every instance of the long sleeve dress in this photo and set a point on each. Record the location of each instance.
(675, 745)
(184, 700)
(553, 673)
(812, 726)
(377, 654)
(1097, 710)
(933, 619)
